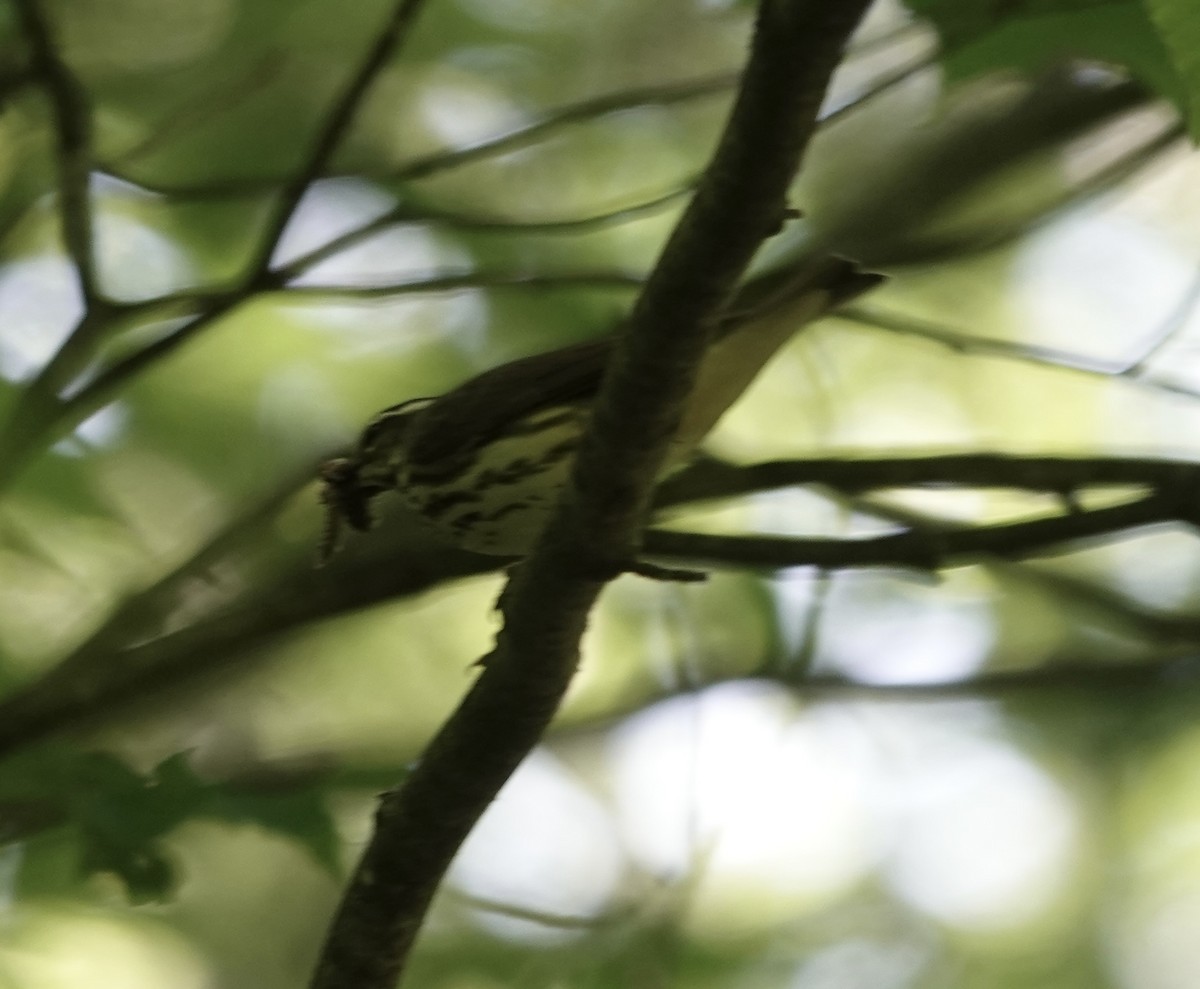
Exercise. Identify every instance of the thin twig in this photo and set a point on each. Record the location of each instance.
(333, 129)
(200, 107)
(582, 112)
(107, 385)
(40, 414)
(468, 280)
(572, 114)
(881, 85)
(1086, 677)
(576, 113)
(1027, 353)
(104, 388)
(1175, 323)
(37, 404)
(1074, 675)
(405, 215)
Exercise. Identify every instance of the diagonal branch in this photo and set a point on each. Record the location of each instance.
(551, 121)
(567, 116)
(41, 413)
(70, 412)
(1172, 327)
(333, 129)
(963, 342)
(405, 214)
(436, 162)
(740, 201)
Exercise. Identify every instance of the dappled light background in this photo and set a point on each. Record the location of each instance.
(811, 780)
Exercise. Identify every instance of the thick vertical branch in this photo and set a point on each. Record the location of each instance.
(71, 115)
(72, 127)
(741, 199)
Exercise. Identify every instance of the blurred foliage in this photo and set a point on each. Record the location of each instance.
(1030, 36)
(121, 815)
(791, 779)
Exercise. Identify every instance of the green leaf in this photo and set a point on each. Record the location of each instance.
(296, 811)
(121, 815)
(1178, 23)
(980, 37)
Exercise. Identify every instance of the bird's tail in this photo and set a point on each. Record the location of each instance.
(762, 317)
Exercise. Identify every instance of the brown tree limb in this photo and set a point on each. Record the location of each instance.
(740, 201)
(854, 475)
(106, 673)
(917, 549)
(72, 117)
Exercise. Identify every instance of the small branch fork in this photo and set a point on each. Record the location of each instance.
(43, 413)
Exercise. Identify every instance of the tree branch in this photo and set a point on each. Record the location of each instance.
(1080, 676)
(740, 201)
(961, 342)
(336, 124)
(708, 479)
(403, 215)
(101, 390)
(567, 116)
(40, 413)
(73, 128)
(106, 673)
(72, 118)
(469, 280)
(916, 549)
(572, 114)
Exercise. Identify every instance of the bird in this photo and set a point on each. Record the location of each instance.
(484, 463)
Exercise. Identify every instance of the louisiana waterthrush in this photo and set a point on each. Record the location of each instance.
(484, 463)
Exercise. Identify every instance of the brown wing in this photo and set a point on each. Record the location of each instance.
(477, 410)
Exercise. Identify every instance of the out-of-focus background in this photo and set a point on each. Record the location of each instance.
(800, 779)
